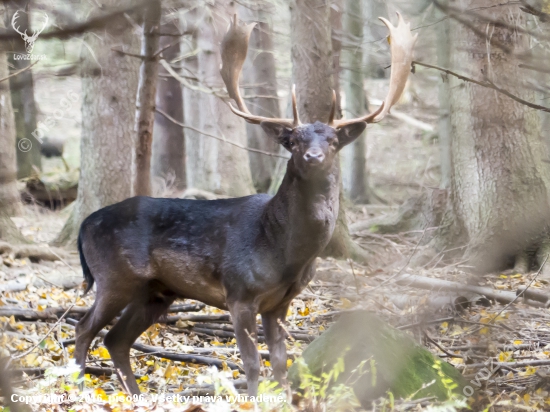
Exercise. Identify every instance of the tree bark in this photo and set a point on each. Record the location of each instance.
(22, 95)
(168, 157)
(312, 71)
(374, 30)
(260, 80)
(499, 178)
(10, 202)
(336, 12)
(147, 87)
(354, 156)
(312, 58)
(216, 166)
(444, 121)
(109, 85)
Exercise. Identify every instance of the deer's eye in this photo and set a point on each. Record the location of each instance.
(291, 144)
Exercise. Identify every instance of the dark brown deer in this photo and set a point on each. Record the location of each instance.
(248, 255)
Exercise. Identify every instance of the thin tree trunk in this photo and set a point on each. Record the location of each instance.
(500, 177)
(444, 122)
(168, 157)
(219, 167)
(22, 94)
(260, 80)
(109, 85)
(312, 71)
(10, 202)
(192, 104)
(354, 156)
(336, 12)
(145, 114)
(374, 30)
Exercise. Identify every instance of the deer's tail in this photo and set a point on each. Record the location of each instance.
(85, 268)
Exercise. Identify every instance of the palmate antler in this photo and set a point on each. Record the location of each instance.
(234, 48)
(401, 44)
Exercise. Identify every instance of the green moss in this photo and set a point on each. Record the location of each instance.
(401, 366)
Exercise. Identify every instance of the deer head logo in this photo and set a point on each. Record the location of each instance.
(29, 40)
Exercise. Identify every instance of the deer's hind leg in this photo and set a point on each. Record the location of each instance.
(100, 314)
(135, 320)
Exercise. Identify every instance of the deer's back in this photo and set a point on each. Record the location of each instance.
(198, 249)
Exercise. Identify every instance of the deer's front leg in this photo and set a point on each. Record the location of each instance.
(244, 323)
(275, 336)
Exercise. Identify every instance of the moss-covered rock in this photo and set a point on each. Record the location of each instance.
(392, 361)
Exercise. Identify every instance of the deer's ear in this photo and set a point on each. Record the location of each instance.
(349, 133)
(281, 134)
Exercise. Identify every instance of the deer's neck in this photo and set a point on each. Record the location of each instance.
(302, 215)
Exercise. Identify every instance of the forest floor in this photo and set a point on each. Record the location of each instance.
(501, 349)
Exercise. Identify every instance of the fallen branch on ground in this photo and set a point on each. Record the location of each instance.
(54, 313)
(422, 282)
(179, 357)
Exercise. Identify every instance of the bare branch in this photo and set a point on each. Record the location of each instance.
(488, 84)
(79, 28)
(250, 149)
(18, 72)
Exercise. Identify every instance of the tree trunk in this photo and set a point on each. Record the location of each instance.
(192, 103)
(22, 95)
(354, 156)
(260, 80)
(444, 121)
(374, 30)
(312, 58)
(168, 158)
(216, 166)
(10, 202)
(147, 87)
(312, 71)
(336, 11)
(499, 173)
(109, 86)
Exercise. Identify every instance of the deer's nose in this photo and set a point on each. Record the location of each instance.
(314, 156)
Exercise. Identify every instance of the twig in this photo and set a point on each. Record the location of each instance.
(179, 357)
(157, 54)
(522, 292)
(139, 56)
(185, 126)
(468, 24)
(412, 325)
(354, 276)
(400, 270)
(62, 260)
(123, 379)
(185, 83)
(452, 355)
(45, 336)
(487, 84)
(18, 72)
(94, 23)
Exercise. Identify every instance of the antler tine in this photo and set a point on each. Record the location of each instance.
(296, 120)
(332, 109)
(234, 49)
(401, 44)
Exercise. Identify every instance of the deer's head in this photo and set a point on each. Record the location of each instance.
(29, 40)
(314, 145)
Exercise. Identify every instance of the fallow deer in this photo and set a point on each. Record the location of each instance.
(249, 255)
